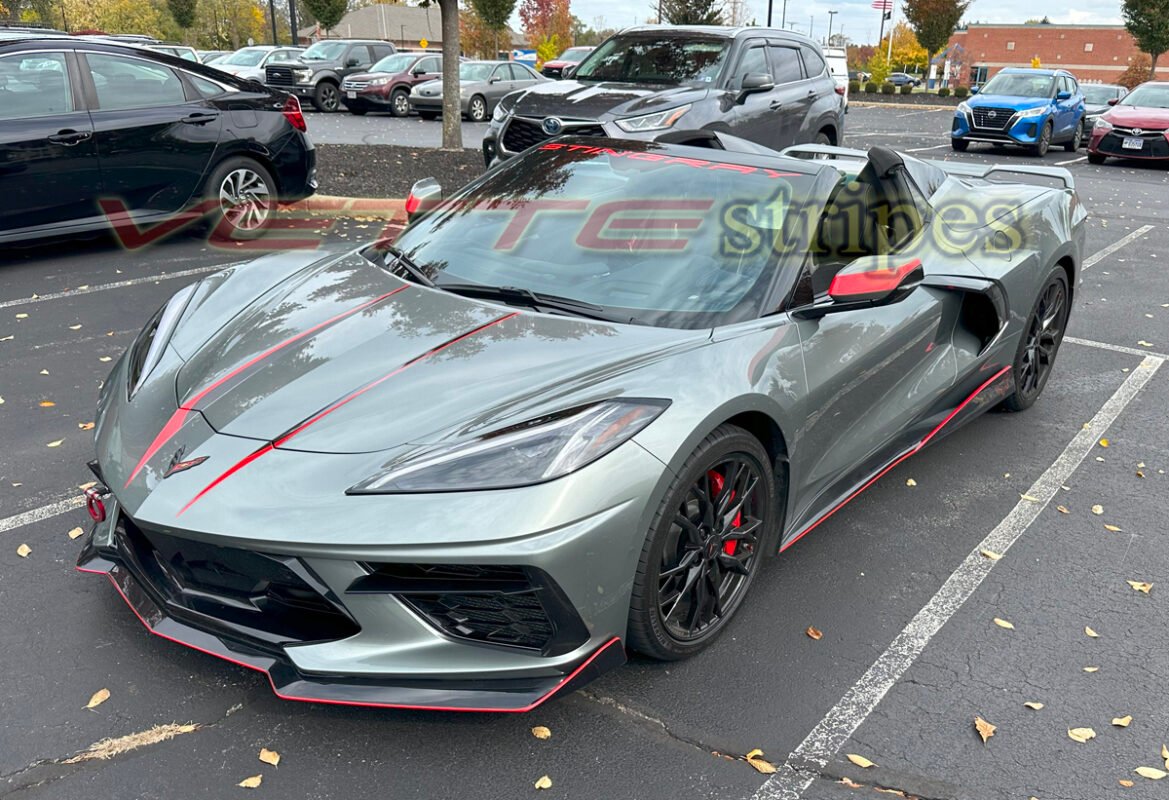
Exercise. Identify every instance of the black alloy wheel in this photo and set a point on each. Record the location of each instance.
(326, 97)
(1040, 343)
(1041, 146)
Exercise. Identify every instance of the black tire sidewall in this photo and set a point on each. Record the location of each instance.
(470, 105)
(394, 102)
(1017, 402)
(1041, 147)
(318, 93)
(211, 193)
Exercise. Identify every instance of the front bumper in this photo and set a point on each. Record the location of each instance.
(1155, 144)
(300, 613)
(434, 104)
(365, 101)
(515, 133)
(1023, 131)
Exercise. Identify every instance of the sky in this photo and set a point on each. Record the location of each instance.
(861, 22)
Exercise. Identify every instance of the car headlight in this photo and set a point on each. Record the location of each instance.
(302, 75)
(533, 452)
(1102, 124)
(656, 121)
(1027, 113)
(500, 113)
(148, 348)
(379, 81)
(963, 107)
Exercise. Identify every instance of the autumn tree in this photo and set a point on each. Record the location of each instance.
(477, 39)
(183, 12)
(907, 51)
(1148, 22)
(1139, 70)
(692, 12)
(934, 21)
(543, 19)
(328, 12)
(494, 14)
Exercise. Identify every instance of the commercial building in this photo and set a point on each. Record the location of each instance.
(1093, 53)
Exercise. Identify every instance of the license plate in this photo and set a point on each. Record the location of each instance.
(1132, 143)
(351, 95)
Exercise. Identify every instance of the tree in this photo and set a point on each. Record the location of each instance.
(543, 19)
(452, 114)
(934, 21)
(329, 12)
(692, 12)
(494, 14)
(477, 39)
(183, 11)
(907, 51)
(593, 35)
(1148, 22)
(1139, 70)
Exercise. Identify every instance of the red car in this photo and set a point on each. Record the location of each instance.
(1137, 126)
(569, 58)
(387, 85)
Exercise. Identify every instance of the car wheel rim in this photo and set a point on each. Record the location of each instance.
(329, 98)
(401, 104)
(1043, 339)
(711, 548)
(1044, 138)
(245, 199)
(478, 110)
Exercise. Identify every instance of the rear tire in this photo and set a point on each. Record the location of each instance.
(428, 115)
(698, 561)
(1039, 344)
(242, 194)
(1077, 139)
(959, 145)
(1096, 158)
(326, 97)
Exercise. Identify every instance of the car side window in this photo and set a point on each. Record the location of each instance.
(753, 62)
(428, 66)
(380, 51)
(34, 85)
(501, 73)
(204, 87)
(785, 64)
(813, 64)
(123, 83)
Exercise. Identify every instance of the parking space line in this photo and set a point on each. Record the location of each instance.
(1093, 260)
(812, 755)
(38, 514)
(923, 149)
(1071, 161)
(104, 287)
(1116, 348)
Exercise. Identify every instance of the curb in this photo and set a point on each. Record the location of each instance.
(918, 106)
(392, 209)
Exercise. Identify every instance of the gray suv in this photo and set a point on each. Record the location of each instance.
(769, 86)
(317, 75)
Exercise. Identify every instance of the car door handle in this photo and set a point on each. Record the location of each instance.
(70, 137)
(199, 118)
(774, 104)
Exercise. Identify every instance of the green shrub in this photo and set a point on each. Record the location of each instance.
(888, 88)
(944, 91)
(854, 87)
(871, 87)
(907, 89)
(961, 92)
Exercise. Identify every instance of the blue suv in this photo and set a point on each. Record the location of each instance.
(1034, 108)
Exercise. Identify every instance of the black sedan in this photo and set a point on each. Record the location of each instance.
(94, 134)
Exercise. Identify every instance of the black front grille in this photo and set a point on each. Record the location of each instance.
(551, 72)
(510, 606)
(1156, 146)
(279, 76)
(258, 597)
(992, 119)
(523, 133)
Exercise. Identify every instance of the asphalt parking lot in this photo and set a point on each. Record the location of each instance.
(897, 582)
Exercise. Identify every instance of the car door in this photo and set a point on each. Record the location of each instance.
(1075, 105)
(155, 136)
(358, 59)
(498, 85)
(752, 115)
(48, 158)
(427, 69)
(522, 77)
(793, 95)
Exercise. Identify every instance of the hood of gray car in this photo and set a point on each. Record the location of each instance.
(602, 100)
(414, 366)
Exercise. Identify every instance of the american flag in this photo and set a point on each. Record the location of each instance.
(883, 5)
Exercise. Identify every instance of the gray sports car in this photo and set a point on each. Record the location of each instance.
(573, 409)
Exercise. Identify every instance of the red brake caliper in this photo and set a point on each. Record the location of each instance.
(717, 482)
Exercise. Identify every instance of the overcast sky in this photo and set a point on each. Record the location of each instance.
(860, 21)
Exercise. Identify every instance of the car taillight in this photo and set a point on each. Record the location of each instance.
(293, 114)
(840, 90)
(413, 202)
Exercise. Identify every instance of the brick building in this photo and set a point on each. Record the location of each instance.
(1093, 53)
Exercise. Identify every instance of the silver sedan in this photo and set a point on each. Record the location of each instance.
(481, 86)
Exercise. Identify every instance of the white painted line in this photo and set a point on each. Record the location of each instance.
(923, 149)
(826, 739)
(44, 512)
(105, 287)
(1071, 161)
(1116, 348)
(926, 111)
(1093, 260)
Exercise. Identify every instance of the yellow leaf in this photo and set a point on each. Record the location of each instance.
(1122, 722)
(1081, 735)
(74, 327)
(1091, 669)
(984, 728)
(1140, 474)
(104, 359)
(85, 426)
(1089, 632)
(89, 485)
(540, 732)
(911, 482)
(55, 444)
(252, 782)
(23, 551)
(1062, 509)
(1097, 509)
(73, 534)
(269, 756)
(544, 783)
(991, 554)
(1034, 706)
(860, 761)
(1140, 586)
(1112, 528)
(1002, 623)
(1165, 752)
(44, 372)
(1030, 498)
(1142, 343)
(22, 316)
(761, 765)
(99, 697)
(46, 404)
(1152, 773)
(753, 754)
(1103, 442)
(1125, 782)
(813, 633)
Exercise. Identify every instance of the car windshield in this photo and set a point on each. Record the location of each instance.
(475, 71)
(1148, 96)
(575, 53)
(636, 232)
(1015, 85)
(655, 59)
(1099, 95)
(324, 51)
(399, 62)
(248, 57)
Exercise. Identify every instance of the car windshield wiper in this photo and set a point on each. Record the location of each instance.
(514, 295)
(399, 259)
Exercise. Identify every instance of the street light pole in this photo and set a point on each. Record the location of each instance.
(831, 14)
(783, 18)
(272, 14)
(769, 2)
(292, 22)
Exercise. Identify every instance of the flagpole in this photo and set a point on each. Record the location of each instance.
(889, 56)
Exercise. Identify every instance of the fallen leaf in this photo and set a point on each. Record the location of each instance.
(22, 316)
(1122, 722)
(89, 485)
(911, 482)
(540, 732)
(74, 327)
(104, 359)
(55, 444)
(1103, 442)
(252, 782)
(99, 697)
(1140, 474)
(1143, 343)
(1125, 782)
(991, 554)
(1152, 773)
(984, 728)
(1089, 632)
(1002, 623)
(1140, 586)
(1165, 752)
(761, 765)
(813, 633)
(1097, 509)
(1, 400)
(1062, 509)
(1034, 706)
(23, 551)
(860, 761)
(73, 534)
(46, 404)
(1091, 669)
(543, 783)
(44, 372)
(1112, 528)
(1030, 498)
(269, 756)
(1081, 735)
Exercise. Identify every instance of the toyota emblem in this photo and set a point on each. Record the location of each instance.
(552, 126)
(1137, 131)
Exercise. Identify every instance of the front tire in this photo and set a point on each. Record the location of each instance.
(400, 103)
(242, 194)
(959, 145)
(477, 109)
(1039, 345)
(326, 97)
(1077, 139)
(1096, 158)
(1041, 147)
(704, 546)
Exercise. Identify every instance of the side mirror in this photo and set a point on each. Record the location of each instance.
(753, 84)
(1063, 96)
(866, 282)
(352, 62)
(973, 90)
(1113, 101)
(424, 196)
(494, 79)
